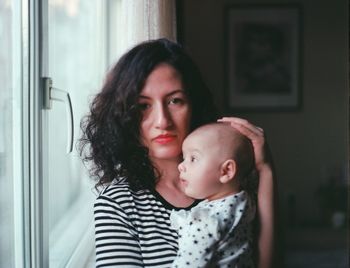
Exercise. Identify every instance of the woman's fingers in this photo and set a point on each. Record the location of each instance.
(252, 132)
(245, 124)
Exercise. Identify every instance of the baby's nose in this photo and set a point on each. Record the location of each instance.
(181, 167)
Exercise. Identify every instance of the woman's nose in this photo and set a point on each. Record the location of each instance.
(162, 117)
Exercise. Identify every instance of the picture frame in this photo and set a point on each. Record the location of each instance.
(263, 57)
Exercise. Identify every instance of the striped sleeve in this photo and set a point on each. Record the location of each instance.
(116, 239)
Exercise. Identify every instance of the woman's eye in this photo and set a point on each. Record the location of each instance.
(144, 106)
(176, 101)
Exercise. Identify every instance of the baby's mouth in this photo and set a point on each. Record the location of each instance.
(183, 182)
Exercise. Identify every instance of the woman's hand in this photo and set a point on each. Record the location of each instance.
(257, 137)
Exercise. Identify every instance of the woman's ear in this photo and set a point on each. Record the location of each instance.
(228, 170)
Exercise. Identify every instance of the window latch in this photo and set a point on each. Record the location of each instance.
(55, 94)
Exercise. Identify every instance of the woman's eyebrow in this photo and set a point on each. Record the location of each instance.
(175, 91)
(167, 95)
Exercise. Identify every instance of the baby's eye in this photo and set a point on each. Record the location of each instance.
(193, 159)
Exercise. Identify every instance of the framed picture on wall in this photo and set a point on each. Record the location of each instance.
(262, 57)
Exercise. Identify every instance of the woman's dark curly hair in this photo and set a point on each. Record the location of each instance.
(111, 134)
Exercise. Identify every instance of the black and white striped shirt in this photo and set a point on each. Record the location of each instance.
(132, 228)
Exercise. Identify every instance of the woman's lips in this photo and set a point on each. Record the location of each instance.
(163, 139)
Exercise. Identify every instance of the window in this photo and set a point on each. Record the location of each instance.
(76, 61)
(11, 160)
(46, 196)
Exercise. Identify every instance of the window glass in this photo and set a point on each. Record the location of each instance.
(77, 65)
(10, 134)
(80, 40)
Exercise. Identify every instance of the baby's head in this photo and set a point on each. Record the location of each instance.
(216, 157)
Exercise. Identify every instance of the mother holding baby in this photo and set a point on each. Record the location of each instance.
(151, 100)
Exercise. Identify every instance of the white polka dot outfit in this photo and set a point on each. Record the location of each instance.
(215, 233)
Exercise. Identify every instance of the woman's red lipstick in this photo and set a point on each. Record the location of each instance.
(163, 139)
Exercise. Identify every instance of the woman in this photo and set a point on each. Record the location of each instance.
(151, 100)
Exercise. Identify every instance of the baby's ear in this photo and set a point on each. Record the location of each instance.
(228, 171)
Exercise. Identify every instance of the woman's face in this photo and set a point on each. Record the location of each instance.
(166, 113)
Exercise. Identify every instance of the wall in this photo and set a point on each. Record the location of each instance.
(309, 145)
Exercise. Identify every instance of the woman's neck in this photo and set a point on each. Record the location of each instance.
(168, 170)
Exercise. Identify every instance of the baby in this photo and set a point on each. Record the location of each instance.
(218, 231)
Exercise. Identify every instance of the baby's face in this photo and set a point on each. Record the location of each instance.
(200, 169)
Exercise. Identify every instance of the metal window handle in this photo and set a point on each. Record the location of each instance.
(51, 94)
